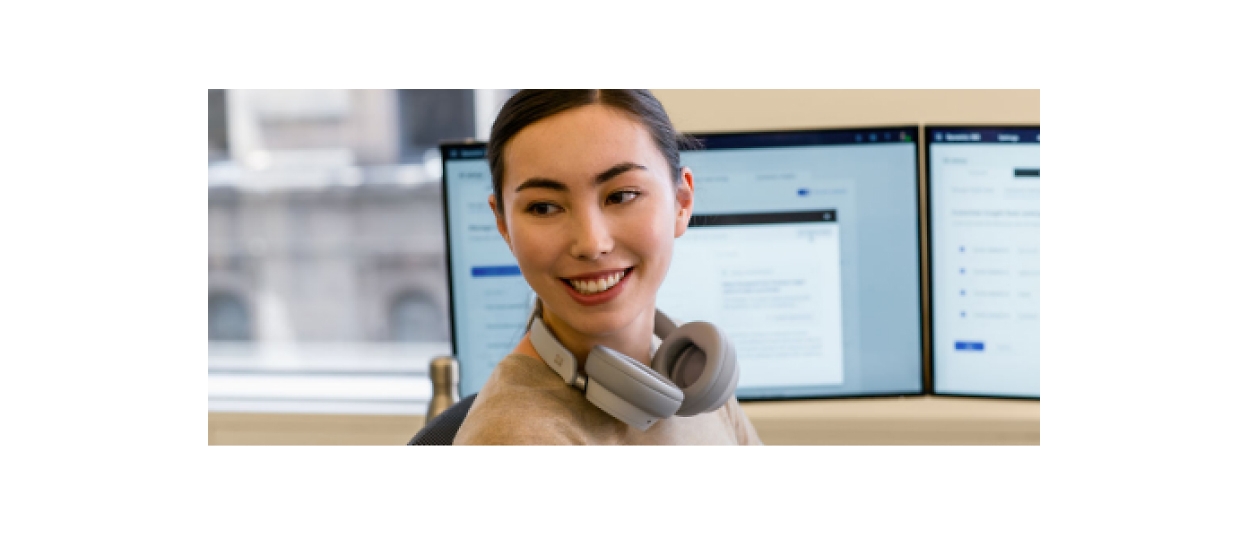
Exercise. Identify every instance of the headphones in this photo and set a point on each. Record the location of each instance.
(694, 371)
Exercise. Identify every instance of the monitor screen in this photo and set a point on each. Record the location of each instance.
(803, 247)
(490, 300)
(984, 212)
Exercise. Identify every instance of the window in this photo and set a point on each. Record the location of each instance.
(428, 116)
(218, 138)
(415, 318)
(326, 266)
(228, 319)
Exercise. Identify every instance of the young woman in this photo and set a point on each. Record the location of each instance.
(590, 197)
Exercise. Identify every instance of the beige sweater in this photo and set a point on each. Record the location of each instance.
(525, 402)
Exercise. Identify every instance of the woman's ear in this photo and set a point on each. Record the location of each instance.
(500, 222)
(684, 200)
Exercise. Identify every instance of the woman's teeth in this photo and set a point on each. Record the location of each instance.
(596, 286)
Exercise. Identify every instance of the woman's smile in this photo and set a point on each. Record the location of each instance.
(597, 288)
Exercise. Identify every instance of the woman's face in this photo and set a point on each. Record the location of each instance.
(591, 214)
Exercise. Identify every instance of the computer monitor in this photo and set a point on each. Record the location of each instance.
(803, 247)
(489, 299)
(984, 229)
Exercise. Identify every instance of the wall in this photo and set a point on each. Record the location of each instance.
(713, 110)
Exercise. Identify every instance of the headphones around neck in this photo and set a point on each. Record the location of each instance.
(694, 371)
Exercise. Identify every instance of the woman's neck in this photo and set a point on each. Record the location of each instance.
(633, 340)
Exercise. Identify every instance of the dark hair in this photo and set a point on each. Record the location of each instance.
(531, 105)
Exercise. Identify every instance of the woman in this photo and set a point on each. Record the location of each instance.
(590, 197)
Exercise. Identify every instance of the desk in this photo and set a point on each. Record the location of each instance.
(888, 421)
(916, 420)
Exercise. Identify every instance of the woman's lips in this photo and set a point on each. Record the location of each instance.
(600, 297)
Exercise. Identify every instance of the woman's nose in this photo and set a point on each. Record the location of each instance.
(592, 238)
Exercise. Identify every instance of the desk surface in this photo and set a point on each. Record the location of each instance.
(912, 420)
(896, 420)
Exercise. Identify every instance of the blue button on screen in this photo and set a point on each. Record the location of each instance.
(495, 271)
(968, 346)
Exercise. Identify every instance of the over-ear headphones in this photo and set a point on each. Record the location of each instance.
(693, 371)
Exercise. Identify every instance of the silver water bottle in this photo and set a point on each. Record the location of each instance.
(444, 374)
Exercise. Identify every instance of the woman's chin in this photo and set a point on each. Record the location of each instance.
(595, 323)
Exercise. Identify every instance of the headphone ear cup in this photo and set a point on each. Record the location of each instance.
(627, 390)
(701, 360)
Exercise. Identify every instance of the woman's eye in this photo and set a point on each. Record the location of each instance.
(622, 197)
(541, 208)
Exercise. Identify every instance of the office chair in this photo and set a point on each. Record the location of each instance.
(441, 430)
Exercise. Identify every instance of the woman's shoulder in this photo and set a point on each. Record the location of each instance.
(522, 402)
(522, 375)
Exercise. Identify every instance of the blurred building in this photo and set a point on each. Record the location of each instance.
(324, 211)
(361, 263)
(325, 238)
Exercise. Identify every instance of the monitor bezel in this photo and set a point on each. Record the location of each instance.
(928, 131)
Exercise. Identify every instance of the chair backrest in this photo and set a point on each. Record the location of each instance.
(441, 430)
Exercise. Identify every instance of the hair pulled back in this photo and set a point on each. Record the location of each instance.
(532, 105)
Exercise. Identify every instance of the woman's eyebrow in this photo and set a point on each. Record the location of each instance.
(615, 170)
(539, 182)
